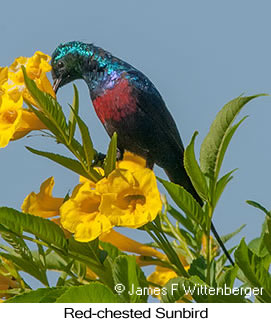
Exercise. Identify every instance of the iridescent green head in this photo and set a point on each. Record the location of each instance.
(67, 62)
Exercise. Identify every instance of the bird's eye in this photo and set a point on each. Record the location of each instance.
(60, 64)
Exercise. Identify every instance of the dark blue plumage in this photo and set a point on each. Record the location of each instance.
(127, 103)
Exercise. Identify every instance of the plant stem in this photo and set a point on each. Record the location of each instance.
(167, 248)
(208, 246)
(99, 269)
(176, 234)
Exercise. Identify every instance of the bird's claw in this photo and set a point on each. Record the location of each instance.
(98, 160)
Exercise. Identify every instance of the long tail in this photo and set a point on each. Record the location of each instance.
(180, 177)
(221, 243)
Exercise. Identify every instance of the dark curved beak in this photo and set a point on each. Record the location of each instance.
(56, 84)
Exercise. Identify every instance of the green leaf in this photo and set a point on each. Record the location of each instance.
(220, 262)
(227, 237)
(112, 251)
(186, 202)
(91, 293)
(89, 249)
(258, 245)
(18, 244)
(5, 247)
(228, 277)
(44, 229)
(253, 268)
(221, 184)
(74, 111)
(69, 163)
(229, 134)
(175, 289)
(86, 139)
(259, 206)
(68, 282)
(215, 143)
(198, 268)
(53, 117)
(90, 254)
(126, 274)
(193, 170)
(79, 269)
(54, 261)
(41, 295)
(267, 236)
(48, 105)
(42, 258)
(27, 266)
(18, 223)
(61, 280)
(191, 241)
(183, 219)
(47, 122)
(77, 148)
(110, 159)
(189, 230)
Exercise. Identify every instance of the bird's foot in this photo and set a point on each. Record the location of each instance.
(98, 160)
(100, 157)
(149, 163)
(120, 154)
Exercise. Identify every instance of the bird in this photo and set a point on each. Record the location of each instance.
(128, 103)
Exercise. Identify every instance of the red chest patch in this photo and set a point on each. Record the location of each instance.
(115, 103)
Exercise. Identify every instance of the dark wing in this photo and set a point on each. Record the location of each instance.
(152, 104)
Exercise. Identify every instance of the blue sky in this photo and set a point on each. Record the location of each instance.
(199, 54)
